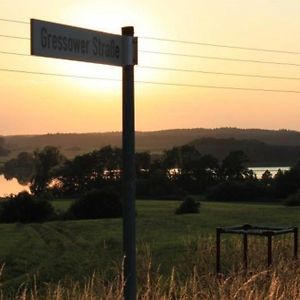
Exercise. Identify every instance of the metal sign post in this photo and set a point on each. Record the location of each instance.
(67, 42)
(129, 241)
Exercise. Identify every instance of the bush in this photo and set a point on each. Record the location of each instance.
(96, 204)
(293, 200)
(25, 208)
(189, 206)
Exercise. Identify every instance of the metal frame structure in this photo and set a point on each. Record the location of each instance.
(246, 230)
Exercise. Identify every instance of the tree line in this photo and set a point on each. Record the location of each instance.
(94, 180)
(179, 171)
(3, 150)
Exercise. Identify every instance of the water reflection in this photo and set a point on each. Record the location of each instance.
(8, 187)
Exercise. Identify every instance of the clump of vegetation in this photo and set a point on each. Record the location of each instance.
(281, 282)
(25, 208)
(190, 205)
(293, 200)
(96, 204)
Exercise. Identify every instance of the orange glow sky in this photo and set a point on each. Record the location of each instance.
(34, 104)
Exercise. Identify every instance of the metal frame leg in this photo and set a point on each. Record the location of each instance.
(218, 250)
(295, 242)
(269, 249)
(245, 256)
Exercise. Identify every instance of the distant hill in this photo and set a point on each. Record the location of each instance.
(259, 153)
(72, 144)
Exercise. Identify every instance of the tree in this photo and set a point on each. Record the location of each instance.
(90, 171)
(3, 151)
(110, 160)
(179, 163)
(142, 163)
(287, 183)
(234, 166)
(267, 178)
(77, 175)
(183, 158)
(21, 168)
(45, 162)
(206, 171)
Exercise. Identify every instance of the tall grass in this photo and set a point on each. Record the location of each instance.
(193, 277)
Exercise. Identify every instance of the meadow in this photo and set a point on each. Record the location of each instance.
(175, 255)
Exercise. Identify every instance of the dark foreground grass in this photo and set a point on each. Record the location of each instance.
(73, 250)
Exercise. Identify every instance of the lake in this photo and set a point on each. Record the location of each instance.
(8, 187)
(259, 171)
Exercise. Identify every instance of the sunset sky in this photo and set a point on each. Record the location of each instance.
(36, 104)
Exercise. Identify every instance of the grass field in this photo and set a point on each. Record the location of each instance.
(73, 250)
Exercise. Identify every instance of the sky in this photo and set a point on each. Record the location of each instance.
(38, 104)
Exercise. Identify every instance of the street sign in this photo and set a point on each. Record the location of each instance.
(67, 42)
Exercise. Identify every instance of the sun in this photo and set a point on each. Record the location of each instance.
(98, 17)
(90, 76)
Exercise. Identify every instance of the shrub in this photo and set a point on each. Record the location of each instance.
(189, 206)
(25, 208)
(96, 204)
(293, 200)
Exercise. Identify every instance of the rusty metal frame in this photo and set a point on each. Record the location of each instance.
(246, 230)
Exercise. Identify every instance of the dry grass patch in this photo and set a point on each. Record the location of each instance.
(281, 281)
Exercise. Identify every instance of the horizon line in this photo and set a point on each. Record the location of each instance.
(146, 131)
